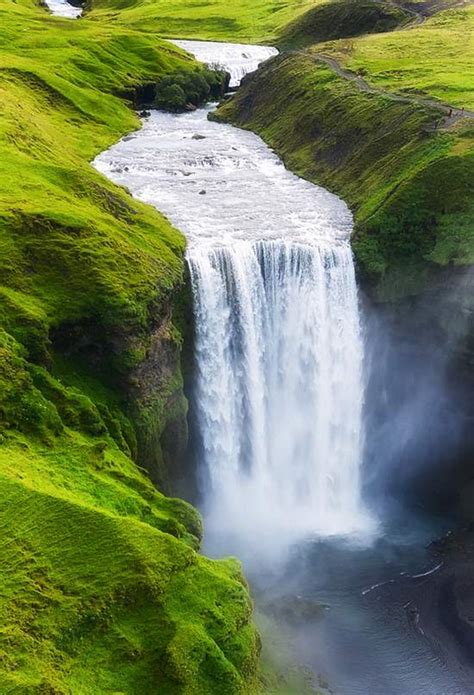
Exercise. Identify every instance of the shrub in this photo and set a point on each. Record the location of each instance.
(180, 90)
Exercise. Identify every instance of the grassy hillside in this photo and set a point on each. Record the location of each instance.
(342, 19)
(435, 57)
(240, 20)
(405, 169)
(102, 587)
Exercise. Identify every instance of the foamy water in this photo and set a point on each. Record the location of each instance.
(279, 348)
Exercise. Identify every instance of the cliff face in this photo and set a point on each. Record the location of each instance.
(159, 407)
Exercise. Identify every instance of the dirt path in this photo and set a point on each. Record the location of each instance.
(448, 114)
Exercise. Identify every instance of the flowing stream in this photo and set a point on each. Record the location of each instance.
(280, 391)
(62, 8)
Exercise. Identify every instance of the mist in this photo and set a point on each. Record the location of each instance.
(418, 400)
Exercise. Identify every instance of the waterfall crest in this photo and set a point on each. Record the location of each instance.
(279, 387)
(237, 58)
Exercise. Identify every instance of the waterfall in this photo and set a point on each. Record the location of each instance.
(279, 351)
(238, 59)
(279, 391)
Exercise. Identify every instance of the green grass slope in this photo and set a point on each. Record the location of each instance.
(84, 269)
(102, 587)
(342, 19)
(240, 20)
(408, 178)
(435, 58)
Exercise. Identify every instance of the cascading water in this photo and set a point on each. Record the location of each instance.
(278, 341)
(279, 396)
(237, 58)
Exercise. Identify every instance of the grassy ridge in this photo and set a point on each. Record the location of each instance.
(57, 84)
(409, 184)
(341, 19)
(434, 58)
(102, 587)
(241, 20)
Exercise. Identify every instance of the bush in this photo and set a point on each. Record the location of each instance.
(179, 91)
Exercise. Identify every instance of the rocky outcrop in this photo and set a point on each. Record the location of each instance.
(158, 407)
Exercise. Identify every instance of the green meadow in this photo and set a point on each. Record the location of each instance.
(253, 21)
(435, 58)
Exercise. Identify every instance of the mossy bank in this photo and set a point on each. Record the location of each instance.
(103, 587)
(400, 162)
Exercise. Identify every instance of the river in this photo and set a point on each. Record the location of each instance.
(62, 8)
(279, 397)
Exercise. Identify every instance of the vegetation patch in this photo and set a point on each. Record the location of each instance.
(252, 21)
(342, 19)
(408, 182)
(434, 58)
(183, 91)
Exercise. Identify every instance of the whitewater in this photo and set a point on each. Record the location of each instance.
(279, 347)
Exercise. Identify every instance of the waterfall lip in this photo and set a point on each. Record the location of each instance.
(236, 58)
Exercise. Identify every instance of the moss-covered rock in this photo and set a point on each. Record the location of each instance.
(184, 90)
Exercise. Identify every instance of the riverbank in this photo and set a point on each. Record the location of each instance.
(104, 587)
(407, 179)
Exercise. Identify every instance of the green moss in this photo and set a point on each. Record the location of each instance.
(341, 19)
(179, 91)
(427, 217)
(103, 589)
(22, 407)
(101, 602)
